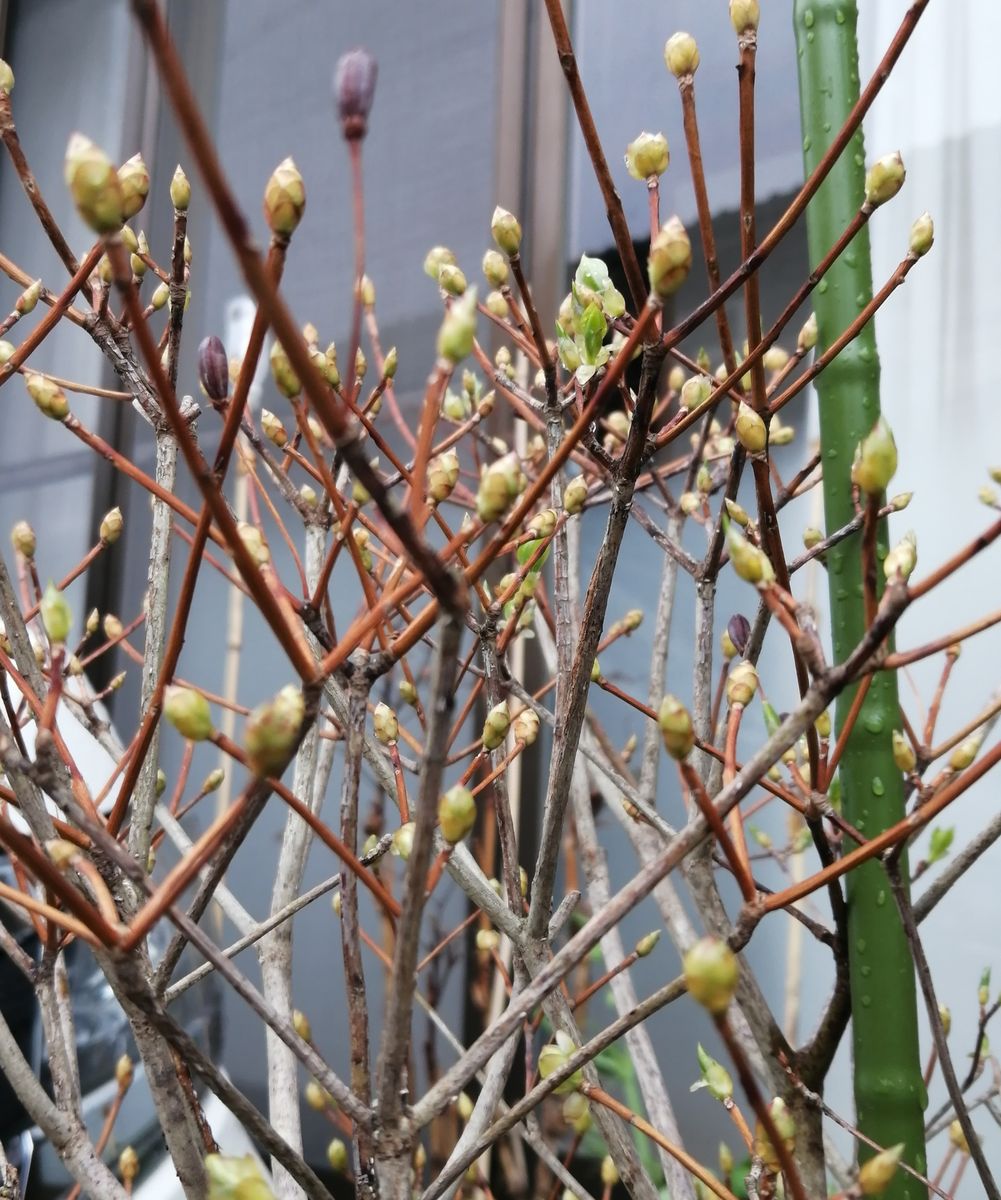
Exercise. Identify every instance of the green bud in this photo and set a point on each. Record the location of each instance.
(922, 236)
(785, 1127)
(812, 536)
(49, 398)
(495, 727)
(133, 177)
(284, 198)
(28, 299)
(161, 295)
(436, 258)
(456, 813)
(884, 178)
(94, 185)
(715, 1076)
(965, 752)
(875, 459)
(902, 559)
(180, 190)
(161, 782)
(213, 781)
(741, 684)
(595, 671)
(711, 972)
(577, 1113)
(272, 428)
(57, 616)
(233, 1178)
(750, 563)
(390, 363)
(575, 494)
(670, 258)
(876, 1173)
(497, 306)
(451, 279)
(501, 481)
(458, 330)
(385, 725)
(254, 542)
(648, 156)
(285, 378)
(647, 943)
(609, 1172)
(506, 231)
(676, 728)
(737, 513)
(553, 1057)
(408, 693)
(188, 711)
(495, 268)
(750, 429)
(272, 731)
(6, 77)
(681, 54)
(23, 539)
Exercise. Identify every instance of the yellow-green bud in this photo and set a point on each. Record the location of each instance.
(715, 1076)
(785, 1127)
(28, 299)
(779, 434)
(464, 1106)
(161, 778)
(609, 1172)
(443, 474)
(500, 484)
(408, 693)
(808, 334)
(495, 268)
(385, 725)
(436, 258)
(390, 363)
(648, 156)
(506, 231)
(133, 176)
(945, 1016)
(284, 198)
(113, 627)
(774, 358)
(676, 727)
(750, 429)
(22, 537)
(272, 428)
(711, 972)
(456, 813)
(876, 1173)
(595, 671)
(744, 15)
(285, 378)
(6, 77)
(124, 1073)
(300, 1023)
(922, 235)
(272, 730)
(737, 513)
(958, 1138)
(233, 1178)
(337, 1156)
(884, 178)
(875, 459)
(213, 781)
(497, 306)
(902, 559)
(180, 190)
(367, 292)
(823, 724)
(451, 279)
(681, 54)
(128, 1164)
(750, 563)
(57, 617)
(161, 295)
(741, 684)
(812, 536)
(553, 1057)
(94, 185)
(965, 752)
(49, 398)
(458, 329)
(670, 258)
(361, 364)
(188, 711)
(577, 1113)
(495, 727)
(526, 726)
(575, 494)
(112, 526)
(317, 1097)
(254, 542)
(487, 940)
(725, 1157)
(646, 943)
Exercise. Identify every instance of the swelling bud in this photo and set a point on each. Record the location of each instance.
(711, 972)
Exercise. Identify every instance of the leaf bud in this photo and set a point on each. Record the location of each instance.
(25, 303)
(317, 1096)
(497, 306)
(808, 334)
(958, 1138)
(6, 77)
(744, 15)
(750, 563)
(385, 725)
(451, 279)
(609, 1172)
(876, 1173)
(648, 156)
(875, 459)
(212, 781)
(408, 693)
(112, 526)
(94, 185)
(254, 543)
(676, 728)
(22, 537)
(124, 1073)
(647, 943)
(715, 1076)
(495, 268)
(133, 178)
(188, 711)
(774, 358)
(48, 398)
(300, 1023)
(902, 559)
(506, 231)
(232, 1178)
(180, 190)
(487, 940)
(737, 513)
(390, 363)
(57, 616)
(337, 1156)
(272, 428)
(495, 727)
(128, 1164)
(436, 258)
(711, 972)
(458, 329)
(161, 295)
(741, 684)
(553, 1056)
(922, 236)
(284, 198)
(285, 378)
(526, 726)
(577, 1113)
(500, 483)
(456, 813)
(884, 178)
(965, 752)
(443, 474)
(681, 54)
(750, 429)
(575, 494)
(272, 730)
(670, 258)
(785, 1127)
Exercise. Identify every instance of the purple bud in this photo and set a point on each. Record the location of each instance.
(739, 629)
(354, 91)
(213, 369)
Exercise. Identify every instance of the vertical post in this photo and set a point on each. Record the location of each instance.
(889, 1093)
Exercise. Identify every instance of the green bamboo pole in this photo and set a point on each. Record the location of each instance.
(889, 1093)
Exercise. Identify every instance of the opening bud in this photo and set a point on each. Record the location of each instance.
(670, 258)
(526, 726)
(553, 1057)
(648, 156)
(715, 1076)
